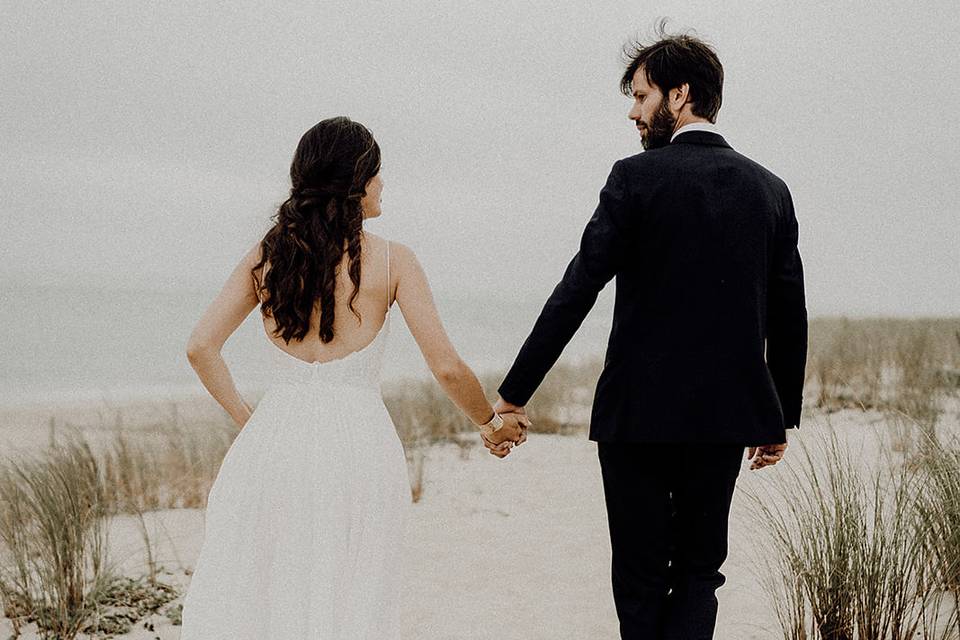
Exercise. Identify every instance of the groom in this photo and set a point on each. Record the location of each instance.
(707, 351)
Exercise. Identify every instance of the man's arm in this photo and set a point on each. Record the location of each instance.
(602, 247)
(787, 317)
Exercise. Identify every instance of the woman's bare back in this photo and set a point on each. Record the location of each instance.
(372, 302)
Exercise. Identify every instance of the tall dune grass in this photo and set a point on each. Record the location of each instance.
(883, 363)
(55, 511)
(939, 520)
(172, 470)
(53, 529)
(856, 553)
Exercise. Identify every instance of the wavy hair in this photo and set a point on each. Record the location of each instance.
(313, 228)
(673, 60)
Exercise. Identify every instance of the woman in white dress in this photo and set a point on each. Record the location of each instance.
(305, 518)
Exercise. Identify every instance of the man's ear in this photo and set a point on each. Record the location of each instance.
(680, 96)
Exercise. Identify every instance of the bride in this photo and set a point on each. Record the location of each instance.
(304, 521)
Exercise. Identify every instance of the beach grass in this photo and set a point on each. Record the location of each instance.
(53, 517)
(882, 363)
(863, 551)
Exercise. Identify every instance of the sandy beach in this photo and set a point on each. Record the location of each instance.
(517, 549)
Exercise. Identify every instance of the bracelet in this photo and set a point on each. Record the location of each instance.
(496, 422)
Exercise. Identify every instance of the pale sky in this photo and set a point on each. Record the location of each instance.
(147, 144)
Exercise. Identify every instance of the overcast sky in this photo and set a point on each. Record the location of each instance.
(147, 144)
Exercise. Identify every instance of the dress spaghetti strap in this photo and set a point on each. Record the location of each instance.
(388, 274)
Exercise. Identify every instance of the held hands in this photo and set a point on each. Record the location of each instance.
(513, 432)
(765, 455)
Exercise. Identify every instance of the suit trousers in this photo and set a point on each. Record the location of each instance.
(668, 507)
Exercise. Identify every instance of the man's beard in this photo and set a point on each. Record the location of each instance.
(661, 127)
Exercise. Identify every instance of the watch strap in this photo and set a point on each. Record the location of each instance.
(495, 424)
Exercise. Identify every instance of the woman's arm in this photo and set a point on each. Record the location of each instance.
(456, 378)
(234, 303)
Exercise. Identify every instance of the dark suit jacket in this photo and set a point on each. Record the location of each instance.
(709, 335)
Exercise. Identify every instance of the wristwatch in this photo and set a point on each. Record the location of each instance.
(495, 424)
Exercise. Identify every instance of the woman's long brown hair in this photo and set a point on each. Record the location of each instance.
(320, 220)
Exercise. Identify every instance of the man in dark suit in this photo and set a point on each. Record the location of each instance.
(707, 350)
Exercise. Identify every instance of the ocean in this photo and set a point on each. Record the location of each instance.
(65, 345)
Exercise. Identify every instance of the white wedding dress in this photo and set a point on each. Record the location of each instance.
(305, 520)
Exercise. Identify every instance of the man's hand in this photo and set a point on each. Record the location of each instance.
(514, 431)
(502, 406)
(765, 455)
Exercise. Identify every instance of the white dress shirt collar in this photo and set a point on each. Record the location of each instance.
(696, 126)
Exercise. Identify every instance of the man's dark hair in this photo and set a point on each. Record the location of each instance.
(674, 60)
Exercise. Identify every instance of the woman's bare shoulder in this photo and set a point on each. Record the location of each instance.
(400, 254)
(403, 256)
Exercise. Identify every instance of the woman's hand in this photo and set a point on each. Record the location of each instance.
(513, 431)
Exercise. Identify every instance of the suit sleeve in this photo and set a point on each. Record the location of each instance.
(787, 318)
(602, 247)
